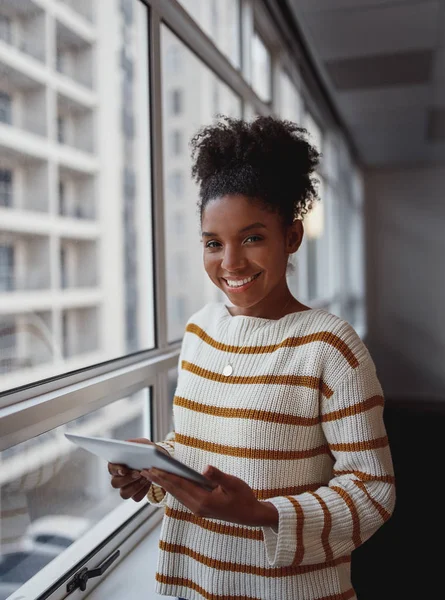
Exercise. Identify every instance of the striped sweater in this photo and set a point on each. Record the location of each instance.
(299, 420)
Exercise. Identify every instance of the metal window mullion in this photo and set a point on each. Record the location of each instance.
(159, 254)
(159, 397)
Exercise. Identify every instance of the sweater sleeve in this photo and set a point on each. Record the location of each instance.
(156, 494)
(328, 523)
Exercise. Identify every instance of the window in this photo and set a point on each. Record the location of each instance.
(6, 197)
(176, 102)
(176, 142)
(5, 29)
(6, 267)
(56, 509)
(61, 135)
(62, 198)
(221, 21)
(175, 185)
(261, 69)
(5, 108)
(116, 179)
(182, 235)
(290, 100)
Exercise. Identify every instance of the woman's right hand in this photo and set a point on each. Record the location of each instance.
(129, 481)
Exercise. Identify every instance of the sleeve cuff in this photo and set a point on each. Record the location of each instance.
(156, 494)
(281, 544)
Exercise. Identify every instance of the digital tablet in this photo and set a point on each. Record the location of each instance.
(137, 456)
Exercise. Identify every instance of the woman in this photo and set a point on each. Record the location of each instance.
(277, 404)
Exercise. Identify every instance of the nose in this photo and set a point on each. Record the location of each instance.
(233, 259)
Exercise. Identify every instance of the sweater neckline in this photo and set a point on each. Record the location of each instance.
(254, 320)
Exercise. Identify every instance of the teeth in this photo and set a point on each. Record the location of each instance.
(239, 283)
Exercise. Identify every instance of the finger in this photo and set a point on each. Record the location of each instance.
(180, 487)
(129, 490)
(142, 492)
(119, 482)
(117, 469)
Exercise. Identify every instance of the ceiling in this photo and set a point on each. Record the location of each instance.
(383, 64)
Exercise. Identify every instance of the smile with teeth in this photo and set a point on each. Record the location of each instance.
(240, 282)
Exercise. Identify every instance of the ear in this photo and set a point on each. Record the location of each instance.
(294, 236)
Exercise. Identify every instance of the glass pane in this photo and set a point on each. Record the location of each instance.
(316, 240)
(220, 20)
(203, 96)
(261, 69)
(44, 508)
(76, 269)
(290, 100)
(315, 132)
(172, 383)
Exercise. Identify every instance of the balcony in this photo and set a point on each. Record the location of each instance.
(23, 27)
(74, 55)
(76, 195)
(75, 124)
(22, 101)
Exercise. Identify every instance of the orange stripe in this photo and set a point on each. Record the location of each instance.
(367, 476)
(360, 446)
(303, 380)
(382, 511)
(223, 529)
(326, 527)
(238, 567)
(189, 583)
(292, 342)
(299, 550)
(244, 413)
(243, 452)
(265, 494)
(354, 514)
(353, 410)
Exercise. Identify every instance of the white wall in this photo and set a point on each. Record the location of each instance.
(405, 249)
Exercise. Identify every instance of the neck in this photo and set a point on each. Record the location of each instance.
(274, 306)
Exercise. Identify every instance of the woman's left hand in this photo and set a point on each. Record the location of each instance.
(231, 499)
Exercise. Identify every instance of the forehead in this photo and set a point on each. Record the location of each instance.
(235, 212)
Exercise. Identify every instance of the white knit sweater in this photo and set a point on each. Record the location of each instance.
(299, 420)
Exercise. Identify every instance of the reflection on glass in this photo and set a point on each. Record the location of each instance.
(52, 492)
(75, 251)
(220, 20)
(261, 69)
(200, 91)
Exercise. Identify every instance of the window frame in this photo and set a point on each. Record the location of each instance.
(43, 405)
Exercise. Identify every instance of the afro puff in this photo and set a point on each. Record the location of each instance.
(266, 159)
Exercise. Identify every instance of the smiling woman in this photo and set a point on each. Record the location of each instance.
(294, 442)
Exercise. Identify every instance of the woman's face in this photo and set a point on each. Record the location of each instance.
(246, 249)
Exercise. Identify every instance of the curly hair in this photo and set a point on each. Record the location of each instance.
(268, 159)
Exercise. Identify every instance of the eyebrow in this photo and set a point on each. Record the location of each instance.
(253, 226)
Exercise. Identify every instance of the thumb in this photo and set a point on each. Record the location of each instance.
(217, 476)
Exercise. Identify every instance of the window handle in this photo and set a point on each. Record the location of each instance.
(80, 579)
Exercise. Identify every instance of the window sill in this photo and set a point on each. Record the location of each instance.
(134, 577)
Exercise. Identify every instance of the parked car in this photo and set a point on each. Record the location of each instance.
(53, 533)
(45, 538)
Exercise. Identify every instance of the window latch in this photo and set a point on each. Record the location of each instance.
(80, 579)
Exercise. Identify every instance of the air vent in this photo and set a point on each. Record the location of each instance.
(436, 125)
(385, 70)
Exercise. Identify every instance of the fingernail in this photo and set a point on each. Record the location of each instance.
(121, 472)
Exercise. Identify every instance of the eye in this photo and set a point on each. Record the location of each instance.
(254, 238)
(212, 244)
